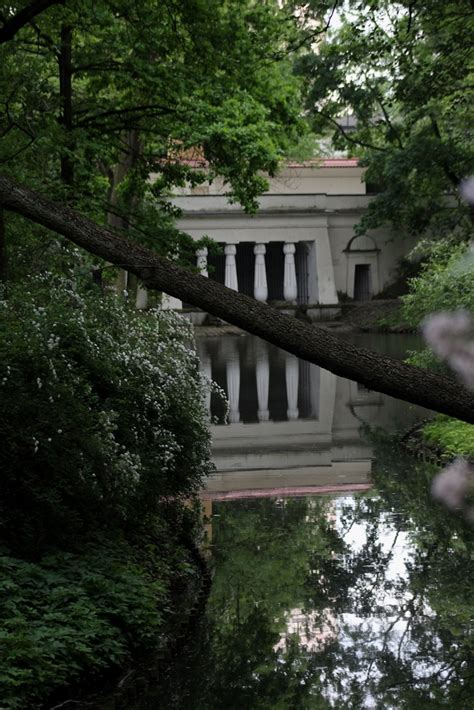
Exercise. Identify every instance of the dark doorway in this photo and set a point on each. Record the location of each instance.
(362, 282)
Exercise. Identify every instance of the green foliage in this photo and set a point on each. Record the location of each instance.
(156, 88)
(404, 71)
(103, 411)
(445, 284)
(73, 614)
(454, 437)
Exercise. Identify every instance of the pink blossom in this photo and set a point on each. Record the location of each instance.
(450, 337)
(452, 484)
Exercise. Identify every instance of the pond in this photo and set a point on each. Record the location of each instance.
(337, 582)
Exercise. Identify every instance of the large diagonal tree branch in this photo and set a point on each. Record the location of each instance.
(15, 23)
(309, 342)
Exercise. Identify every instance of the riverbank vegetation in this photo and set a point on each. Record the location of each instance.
(102, 405)
(104, 437)
(444, 285)
(102, 409)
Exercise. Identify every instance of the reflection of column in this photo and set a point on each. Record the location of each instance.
(292, 374)
(205, 367)
(201, 261)
(233, 386)
(207, 515)
(230, 251)
(262, 371)
(327, 399)
(290, 291)
(141, 300)
(260, 290)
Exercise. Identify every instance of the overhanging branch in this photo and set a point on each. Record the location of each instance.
(308, 342)
(15, 23)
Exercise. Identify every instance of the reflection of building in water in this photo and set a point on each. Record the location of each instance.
(291, 424)
(313, 630)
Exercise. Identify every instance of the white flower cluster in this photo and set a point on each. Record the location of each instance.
(134, 376)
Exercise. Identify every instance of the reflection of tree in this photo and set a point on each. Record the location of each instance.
(261, 557)
(393, 572)
(404, 638)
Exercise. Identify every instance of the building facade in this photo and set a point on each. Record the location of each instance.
(301, 247)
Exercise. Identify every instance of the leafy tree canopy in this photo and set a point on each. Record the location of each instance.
(96, 96)
(404, 70)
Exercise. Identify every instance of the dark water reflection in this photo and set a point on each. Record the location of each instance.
(350, 600)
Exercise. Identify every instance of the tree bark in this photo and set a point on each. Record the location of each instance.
(65, 92)
(3, 248)
(127, 161)
(308, 342)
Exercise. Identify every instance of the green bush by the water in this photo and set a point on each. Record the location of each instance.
(104, 440)
(445, 283)
(102, 409)
(454, 437)
(70, 613)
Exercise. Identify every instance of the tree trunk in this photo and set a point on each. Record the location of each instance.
(65, 93)
(3, 248)
(308, 342)
(127, 160)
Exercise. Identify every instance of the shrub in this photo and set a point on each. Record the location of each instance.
(445, 284)
(71, 613)
(101, 414)
(456, 438)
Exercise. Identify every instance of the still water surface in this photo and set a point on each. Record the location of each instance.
(337, 583)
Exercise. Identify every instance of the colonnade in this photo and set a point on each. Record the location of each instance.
(262, 375)
(260, 288)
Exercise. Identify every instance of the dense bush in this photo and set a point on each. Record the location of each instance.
(70, 613)
(454, 437)
(444, 284)
(101, 414)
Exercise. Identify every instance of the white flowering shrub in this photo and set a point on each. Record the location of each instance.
(101, 413)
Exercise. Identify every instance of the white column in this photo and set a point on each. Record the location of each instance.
(141, 300)
(325, 269)
(230, 250)
(201, 261)
(260, 290)
(170, 303)
(233, 386)
(262, 372)
(290, 290)
(292, 378)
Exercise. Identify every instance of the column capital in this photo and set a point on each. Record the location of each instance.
(289, 248)
(201, 252)
(230, 249)
(259, 248)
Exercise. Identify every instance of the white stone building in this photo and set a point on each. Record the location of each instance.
(300, 248)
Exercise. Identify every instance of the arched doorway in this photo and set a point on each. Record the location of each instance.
(362, 270)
